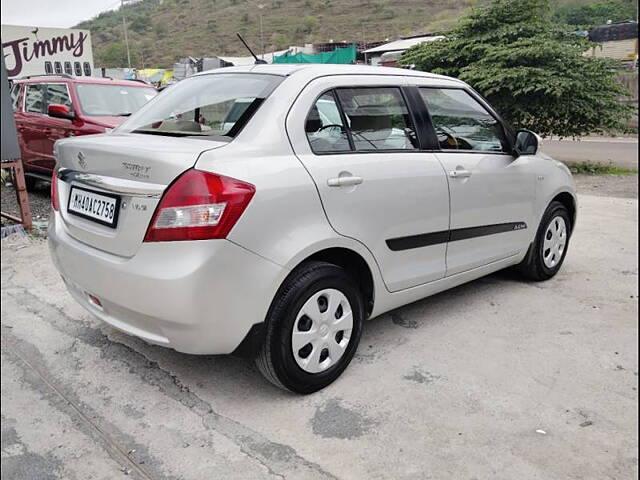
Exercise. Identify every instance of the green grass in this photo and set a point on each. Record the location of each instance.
(589, 168)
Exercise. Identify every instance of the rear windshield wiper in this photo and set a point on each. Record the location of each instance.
(125, 114)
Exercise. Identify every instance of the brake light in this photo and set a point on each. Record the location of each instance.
(54, 190)
(199, 206)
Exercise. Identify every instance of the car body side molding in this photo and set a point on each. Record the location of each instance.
(434, 238)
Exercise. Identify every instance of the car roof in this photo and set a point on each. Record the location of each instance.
(73, 79)
(320, 70)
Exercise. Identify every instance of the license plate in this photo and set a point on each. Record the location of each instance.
(96, 206)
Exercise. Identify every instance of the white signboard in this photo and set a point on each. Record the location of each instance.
(39, 51)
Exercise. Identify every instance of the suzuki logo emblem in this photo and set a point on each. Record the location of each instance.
(81, 161)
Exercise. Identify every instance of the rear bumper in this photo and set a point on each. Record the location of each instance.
(194, 296)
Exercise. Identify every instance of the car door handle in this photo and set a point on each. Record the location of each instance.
(344, 181)
(460, 173)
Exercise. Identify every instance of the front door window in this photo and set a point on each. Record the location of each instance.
(461, 122)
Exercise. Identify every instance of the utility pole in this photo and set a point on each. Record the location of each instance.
(364, 45)
(124, 27)
(260, 7)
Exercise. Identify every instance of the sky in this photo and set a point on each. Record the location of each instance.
(52, 13)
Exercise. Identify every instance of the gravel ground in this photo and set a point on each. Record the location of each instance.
(621, 186)
(38, 199)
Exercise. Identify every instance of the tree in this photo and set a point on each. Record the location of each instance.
(114, 55)
(596, 13)
(529, 68)
(309, 23)
(280, 41)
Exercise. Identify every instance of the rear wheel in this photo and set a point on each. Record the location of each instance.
(313, 328)
(546, 253)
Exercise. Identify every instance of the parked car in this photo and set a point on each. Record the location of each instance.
(276, 234)
(50, 107)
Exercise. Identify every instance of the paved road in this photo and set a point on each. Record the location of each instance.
(621, 152)
(497, 379)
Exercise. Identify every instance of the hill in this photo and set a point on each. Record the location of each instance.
(160, 31)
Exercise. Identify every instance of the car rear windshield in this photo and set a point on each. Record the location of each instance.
(216, 105)
(112, 100)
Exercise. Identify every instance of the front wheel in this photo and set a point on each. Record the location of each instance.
(548, 250)
(312, 329)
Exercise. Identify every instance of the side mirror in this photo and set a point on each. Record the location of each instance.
(527, 143)
(60, 111)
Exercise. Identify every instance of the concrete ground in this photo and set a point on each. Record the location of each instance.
(621, 152)
(496, 379)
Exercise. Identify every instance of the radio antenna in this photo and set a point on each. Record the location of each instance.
(258, 60)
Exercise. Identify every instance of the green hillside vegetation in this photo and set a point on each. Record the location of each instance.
(161, 31)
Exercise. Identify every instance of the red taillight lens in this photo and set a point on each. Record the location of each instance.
(199, 206)
(54, 190)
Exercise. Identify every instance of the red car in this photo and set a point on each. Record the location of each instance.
(49, 107)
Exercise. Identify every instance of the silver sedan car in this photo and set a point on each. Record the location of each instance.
(270, 210)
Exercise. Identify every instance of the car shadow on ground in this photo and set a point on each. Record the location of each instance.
(228, 376)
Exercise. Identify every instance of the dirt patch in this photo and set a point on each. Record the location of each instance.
(622, 186)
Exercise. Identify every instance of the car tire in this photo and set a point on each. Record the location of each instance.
(283, 359)
(548, 250)
(30, 183)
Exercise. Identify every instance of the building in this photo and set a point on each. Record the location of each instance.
(393, 50)
(616, 40)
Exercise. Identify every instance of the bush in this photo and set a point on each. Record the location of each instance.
(140, 23)
(280, 41)
(115, 56)
(161, 29)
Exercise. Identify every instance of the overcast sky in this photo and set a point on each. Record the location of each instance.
(52, 13)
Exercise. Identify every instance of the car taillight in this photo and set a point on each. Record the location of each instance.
(199, 206)
(54, 191)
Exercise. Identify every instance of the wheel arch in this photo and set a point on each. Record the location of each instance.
(349, 259)
(355, 265)
(569, 201)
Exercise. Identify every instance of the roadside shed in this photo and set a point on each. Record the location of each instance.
(374, 55)
(615, 40)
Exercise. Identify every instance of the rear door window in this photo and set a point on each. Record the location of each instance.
(378, 118)
(462, 123)
(324, 127)
(34, 99)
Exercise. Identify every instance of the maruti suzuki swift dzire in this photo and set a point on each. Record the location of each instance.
(269, 210)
